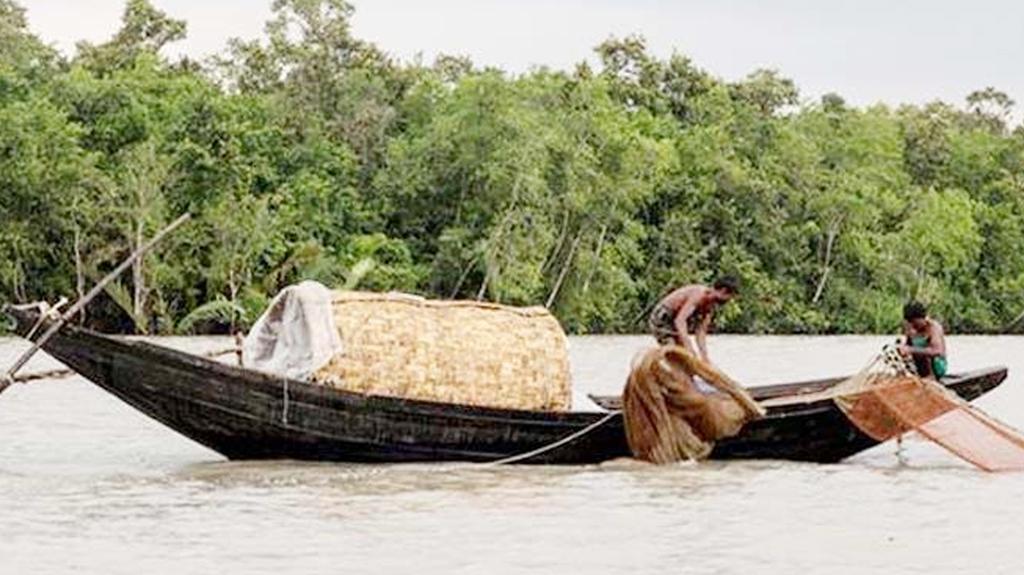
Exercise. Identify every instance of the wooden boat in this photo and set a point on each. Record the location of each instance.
(244, 414)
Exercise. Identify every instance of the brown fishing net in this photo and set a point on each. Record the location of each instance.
(668, 419)
(886, 400)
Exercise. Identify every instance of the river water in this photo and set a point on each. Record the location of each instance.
(87, 485)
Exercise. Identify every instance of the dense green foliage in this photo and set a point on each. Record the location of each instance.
(312, 154)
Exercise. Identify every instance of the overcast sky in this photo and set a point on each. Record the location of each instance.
(867, 51)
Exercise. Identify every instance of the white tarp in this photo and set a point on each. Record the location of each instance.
(296, 336)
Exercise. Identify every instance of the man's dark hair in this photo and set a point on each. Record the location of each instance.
(914, 310)
(728, 283)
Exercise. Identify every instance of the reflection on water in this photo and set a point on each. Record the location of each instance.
(88, 485)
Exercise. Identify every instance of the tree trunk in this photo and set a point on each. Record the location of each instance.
(1012, 326)
(833, 231)
(565, 270)
(138, 281)
(557, 247)
(19, 283)
(483, 285)
(462, 278)
(597, 258)
(79, 273)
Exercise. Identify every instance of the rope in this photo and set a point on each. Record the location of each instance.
(46, 312)
(507, 460)
(540, 450)
(377, 470)
(284, 410)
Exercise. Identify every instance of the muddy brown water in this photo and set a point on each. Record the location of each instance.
(88, 485)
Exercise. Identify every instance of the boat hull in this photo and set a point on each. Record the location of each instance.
(244, 414)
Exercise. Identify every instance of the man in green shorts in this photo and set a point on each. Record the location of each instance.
(926, 341)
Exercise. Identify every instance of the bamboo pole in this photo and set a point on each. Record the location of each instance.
(36, 375)
(8, 377)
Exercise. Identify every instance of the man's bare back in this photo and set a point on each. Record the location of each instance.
(688, 311)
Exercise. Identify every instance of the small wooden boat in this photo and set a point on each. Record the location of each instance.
(244, 414)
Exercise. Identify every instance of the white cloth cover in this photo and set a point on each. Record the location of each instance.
(296, 336)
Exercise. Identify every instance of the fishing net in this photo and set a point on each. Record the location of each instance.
(887, 399)
(668, 419)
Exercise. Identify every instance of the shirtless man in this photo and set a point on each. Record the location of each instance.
(926, 341)
(689, 310)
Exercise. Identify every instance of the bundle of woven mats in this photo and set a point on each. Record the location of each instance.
(668, 419)
(463, 352)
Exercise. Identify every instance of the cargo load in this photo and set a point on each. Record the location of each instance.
(400, 345)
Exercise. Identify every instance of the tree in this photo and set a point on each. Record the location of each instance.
(47, 185)
(991, 107)
(144, 30)
(767, 91)
(329, 79)
(310, 153)
(138, 203)
(24, 59)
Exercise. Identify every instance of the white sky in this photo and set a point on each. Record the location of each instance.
(867, 51)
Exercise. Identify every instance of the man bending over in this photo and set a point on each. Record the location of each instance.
(925, 341)
(688, 311)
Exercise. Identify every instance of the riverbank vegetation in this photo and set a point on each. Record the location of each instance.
(309, 153)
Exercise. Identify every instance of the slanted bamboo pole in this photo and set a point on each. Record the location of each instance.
(8, 377)
(49, 374)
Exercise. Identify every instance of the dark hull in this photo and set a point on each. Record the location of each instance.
(244, 414)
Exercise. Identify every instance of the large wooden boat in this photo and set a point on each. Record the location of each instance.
(244, 414)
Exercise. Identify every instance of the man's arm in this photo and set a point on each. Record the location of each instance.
(701, 336)
(936, 343)
(682, 316)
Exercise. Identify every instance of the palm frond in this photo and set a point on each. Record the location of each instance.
(220, 310)
(358, 272)
(123, 298)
